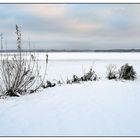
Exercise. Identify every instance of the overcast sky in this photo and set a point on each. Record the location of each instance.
(72, 26)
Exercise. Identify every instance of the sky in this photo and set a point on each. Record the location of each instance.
(72, 26)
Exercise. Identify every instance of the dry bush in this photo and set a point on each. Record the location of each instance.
(127, 72)
(19, 75)
(112, 72)
(48, 84)
(89, 76)
(75, 79)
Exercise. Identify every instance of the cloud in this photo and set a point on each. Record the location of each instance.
(44, 10)
(68, 26)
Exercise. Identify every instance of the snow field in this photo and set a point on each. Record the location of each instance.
(97, 108)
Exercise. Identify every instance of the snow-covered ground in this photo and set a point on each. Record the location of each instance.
(98, 108)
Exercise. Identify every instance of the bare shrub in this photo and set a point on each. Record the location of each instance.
(48, 84)
(68, 81)
(75, 79)
(112, 72)
(90, 76)
(18, 75)
(127, 72)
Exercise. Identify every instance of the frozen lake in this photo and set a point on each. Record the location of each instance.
(66, 64)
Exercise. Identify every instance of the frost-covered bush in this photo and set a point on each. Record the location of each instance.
(127, 72)
(112, 72)
(48, 84)
(68, 81)
(19, 75)
(75, 79)
(90, 76)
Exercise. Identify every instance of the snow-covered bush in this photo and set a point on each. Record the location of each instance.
(48, 84)
(112, 72)
(75, 79)
(127, 72)
(90, 76)
(18, 75)
(69, 81)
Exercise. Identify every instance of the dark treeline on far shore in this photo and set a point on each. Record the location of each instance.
(53, 50)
